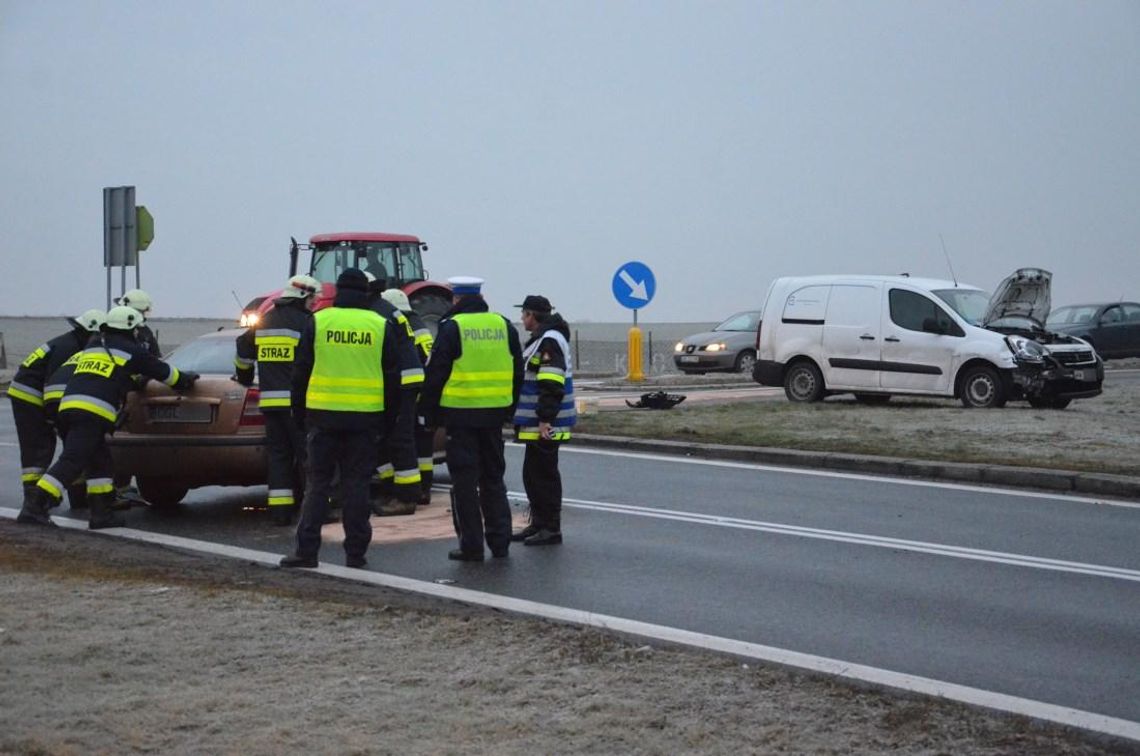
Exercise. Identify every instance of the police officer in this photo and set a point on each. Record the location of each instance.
(472, 383)
(422, 341)
(90, 409)
(544, 416)
(338, 393)
(271, 346)
(35, 429)
(137, 299)
(382, 496)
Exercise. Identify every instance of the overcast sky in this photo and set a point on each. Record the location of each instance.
(540, 145)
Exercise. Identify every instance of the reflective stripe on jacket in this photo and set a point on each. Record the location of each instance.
(535, 373)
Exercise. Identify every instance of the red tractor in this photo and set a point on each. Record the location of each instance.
(393, 258)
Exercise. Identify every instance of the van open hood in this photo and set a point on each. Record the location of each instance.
(1024, 294)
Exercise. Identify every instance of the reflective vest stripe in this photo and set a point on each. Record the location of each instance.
(173, 377)
(38, 354)
(100, 486)
(91, 404)
(270, 399)
(407, 477)
(51, 485)
(426, 464)
(242, 363)
(280, 497)
(526, 412)
(25, 394)
(556, 434)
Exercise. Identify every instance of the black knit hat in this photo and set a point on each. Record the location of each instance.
(352, 278)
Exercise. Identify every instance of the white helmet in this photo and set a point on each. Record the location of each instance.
(124, 318)
(89, 321)
(300, 287)
(138, 300)
(398, 299)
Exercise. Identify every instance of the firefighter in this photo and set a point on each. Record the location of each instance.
(138, 299)
(271, 347)
(422, 341)
(544, 417)
(344, 356)
(471, 386)
(382, 497)
(90, 409)
(35, 430)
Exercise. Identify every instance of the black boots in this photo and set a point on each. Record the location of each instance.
(36, 508)
(525, 533)
(544, 537)
(102, 515)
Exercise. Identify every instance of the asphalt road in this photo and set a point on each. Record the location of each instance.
(1029, 595)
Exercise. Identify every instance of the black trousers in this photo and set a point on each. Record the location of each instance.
(37, 440)
(480, 509)
(543, 484)
(353, 454)
(285, 447)
(84, 452)
(425, 451)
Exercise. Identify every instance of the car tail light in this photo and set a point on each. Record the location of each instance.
(250, 414)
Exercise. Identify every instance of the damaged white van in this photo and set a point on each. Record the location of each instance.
(876, 336)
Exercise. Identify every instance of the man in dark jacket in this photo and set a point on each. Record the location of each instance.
(88, 411)
(343, 358)
(425, 438)
(382, 496)
(271, 346)
(544, 417)
(471, 387)
(35, 429)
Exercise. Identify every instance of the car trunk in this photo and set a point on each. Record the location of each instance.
(216, 406)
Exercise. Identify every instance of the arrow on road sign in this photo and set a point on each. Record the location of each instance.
(637, 288)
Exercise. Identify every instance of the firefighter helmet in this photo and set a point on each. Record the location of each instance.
(300, 287)
(138, 300)
(397, 298)
(124, 318)
(89, 321)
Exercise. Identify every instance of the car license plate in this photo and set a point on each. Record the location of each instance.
(689, 358)
(183, 412)
(1081, 375)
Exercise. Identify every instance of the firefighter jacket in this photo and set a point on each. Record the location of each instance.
(272, 348)
(31, 379)
(147, 340)
(343, 358)
(547, 393)
(421, 336)
(474, 374)
(103, 374)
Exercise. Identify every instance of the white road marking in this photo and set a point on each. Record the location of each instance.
(1087, 720)
(677, 459)
(861, 539)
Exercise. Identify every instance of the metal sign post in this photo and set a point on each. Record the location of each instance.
(126, 230)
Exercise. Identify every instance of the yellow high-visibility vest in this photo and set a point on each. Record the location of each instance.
(483, 376)
(347, 351)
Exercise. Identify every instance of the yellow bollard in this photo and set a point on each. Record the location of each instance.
(636, 374)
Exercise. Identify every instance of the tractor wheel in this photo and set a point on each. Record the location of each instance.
(430, 306)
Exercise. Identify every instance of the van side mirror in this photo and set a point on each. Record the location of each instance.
(930, 325)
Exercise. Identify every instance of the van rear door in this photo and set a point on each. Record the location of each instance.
(851, 343)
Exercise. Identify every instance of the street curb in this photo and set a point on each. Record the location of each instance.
(1068, 481)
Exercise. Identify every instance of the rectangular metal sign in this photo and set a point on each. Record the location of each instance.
(120, 226)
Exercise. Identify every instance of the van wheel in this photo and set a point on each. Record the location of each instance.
(982, 388)
(745, 361)
(803, 383)
(872, 398)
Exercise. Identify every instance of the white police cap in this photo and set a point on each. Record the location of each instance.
(465, 285)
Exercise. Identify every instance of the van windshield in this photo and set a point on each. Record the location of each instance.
(971, 304)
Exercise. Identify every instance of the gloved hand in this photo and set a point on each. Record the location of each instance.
(186, 380)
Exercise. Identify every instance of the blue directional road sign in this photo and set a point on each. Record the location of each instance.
(634, 285)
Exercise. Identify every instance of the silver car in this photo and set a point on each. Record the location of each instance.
(731, 346)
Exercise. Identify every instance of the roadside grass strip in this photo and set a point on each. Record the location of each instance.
(1062, 715)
